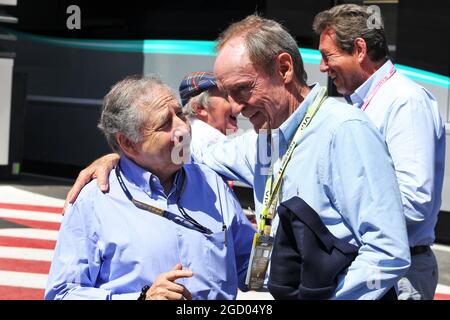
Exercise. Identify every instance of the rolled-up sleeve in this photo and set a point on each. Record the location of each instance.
(364, 189)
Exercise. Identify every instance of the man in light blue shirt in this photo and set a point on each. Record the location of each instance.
(356, 58)
(117, 245)
(340, 166)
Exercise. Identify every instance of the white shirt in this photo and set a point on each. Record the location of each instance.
(407, 117)
(203, 135)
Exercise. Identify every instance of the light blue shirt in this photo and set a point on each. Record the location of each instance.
(342, 169)
(109, 249)
(407, 117)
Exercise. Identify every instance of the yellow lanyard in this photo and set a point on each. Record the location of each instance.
(270, 191)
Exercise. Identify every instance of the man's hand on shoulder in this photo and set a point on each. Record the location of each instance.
(99, 169)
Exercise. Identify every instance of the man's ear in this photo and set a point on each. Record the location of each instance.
(360, 49)
(128, 147)
(199, 110)
(285, 67)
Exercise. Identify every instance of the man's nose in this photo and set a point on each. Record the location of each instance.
(181, 131)
(236, 107)
(323, 66)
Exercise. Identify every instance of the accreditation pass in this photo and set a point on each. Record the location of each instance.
(259, 261)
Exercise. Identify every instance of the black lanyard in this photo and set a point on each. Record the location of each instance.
(188, 221)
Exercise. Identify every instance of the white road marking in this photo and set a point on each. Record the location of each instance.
(25, 197)
(443, 289)
(26, 253)
(23, 279)
(29, 233)
(440, 247)
(30, 215)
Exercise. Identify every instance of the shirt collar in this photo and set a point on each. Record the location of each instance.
(290, 126)
(144, 179)
(357, 98)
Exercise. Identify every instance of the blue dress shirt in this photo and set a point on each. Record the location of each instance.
(342, 169)
(110, 249)
(407, 117)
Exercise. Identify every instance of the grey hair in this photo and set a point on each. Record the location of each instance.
(122, 108)
(350, 21)
(264, 40)
(202, 99)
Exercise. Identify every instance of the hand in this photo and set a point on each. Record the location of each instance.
(99, 169)
(165, 287)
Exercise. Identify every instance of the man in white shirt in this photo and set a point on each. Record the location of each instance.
(355, 56)
(210, 114)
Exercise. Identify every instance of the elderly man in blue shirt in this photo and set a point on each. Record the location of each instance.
(356, 57)
(164, 230)
(338, 164)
